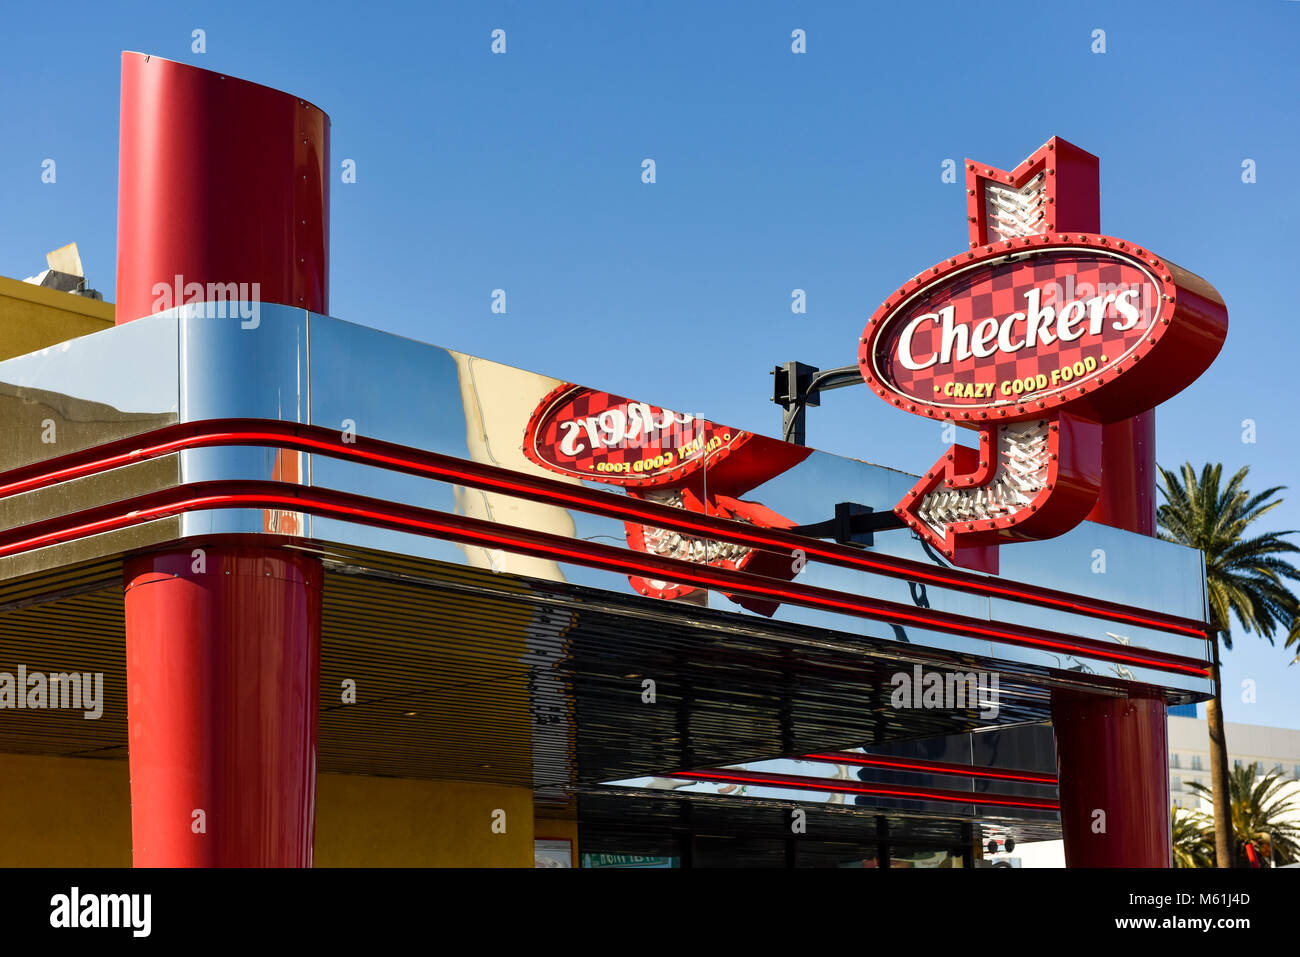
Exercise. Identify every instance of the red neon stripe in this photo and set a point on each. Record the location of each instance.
(836, 785)
(310, 438)
(929, 767)
(351, 507)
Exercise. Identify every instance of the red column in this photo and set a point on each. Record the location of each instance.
(1113, 767)
(223, 650)
(219, 181)
(1128, 453)
(1128, 475)
(1111, 752)
(222, 183)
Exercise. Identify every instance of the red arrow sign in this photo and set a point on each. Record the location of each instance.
(1038, 339)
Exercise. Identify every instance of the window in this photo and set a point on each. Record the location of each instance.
(1196, 762)
(1173, 760)
(1277, 768)
(1177, 803)
(1176, 784)
(1237, 764)
(1296, 772)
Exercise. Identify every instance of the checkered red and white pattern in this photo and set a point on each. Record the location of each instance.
(623, 452)
(998, 290)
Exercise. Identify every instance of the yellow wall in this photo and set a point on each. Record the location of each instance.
(71, 812)
(33, 318)
(366, 821)
(64, 812)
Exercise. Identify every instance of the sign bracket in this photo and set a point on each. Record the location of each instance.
(797, 385)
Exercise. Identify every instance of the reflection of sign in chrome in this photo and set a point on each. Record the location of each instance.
(591, 434)
(1036, 341)
(663, 456)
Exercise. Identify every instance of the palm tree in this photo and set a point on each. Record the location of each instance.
(1262, 818)
(1246, 578)
(1193, 838)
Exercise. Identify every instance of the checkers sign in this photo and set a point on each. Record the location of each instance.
(1082, 321)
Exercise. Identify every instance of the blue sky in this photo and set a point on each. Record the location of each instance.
(775, 171)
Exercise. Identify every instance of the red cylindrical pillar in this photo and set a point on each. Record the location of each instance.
(1112, 764)
(223, 194)
(223, 657)
(221, 182)
(1113, 772)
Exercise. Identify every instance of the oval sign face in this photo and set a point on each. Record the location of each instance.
(594, 435)
(1007, 332)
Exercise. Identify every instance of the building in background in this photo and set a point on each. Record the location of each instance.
(1273, 749)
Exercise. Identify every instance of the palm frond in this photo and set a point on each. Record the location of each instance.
(1247, 575)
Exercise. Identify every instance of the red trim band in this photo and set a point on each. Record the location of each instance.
(408, 518)
(316, 439)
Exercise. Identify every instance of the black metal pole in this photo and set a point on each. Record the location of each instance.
(797, 385)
